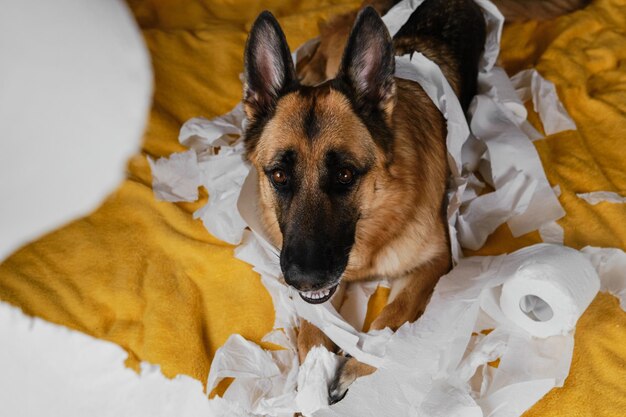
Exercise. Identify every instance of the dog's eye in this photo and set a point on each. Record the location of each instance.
(279, 177)
(345, 176)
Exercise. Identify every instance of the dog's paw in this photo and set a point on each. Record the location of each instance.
(347, 373)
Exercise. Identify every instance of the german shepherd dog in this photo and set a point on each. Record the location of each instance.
(353, 170)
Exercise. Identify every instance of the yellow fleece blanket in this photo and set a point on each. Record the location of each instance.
(145, 275)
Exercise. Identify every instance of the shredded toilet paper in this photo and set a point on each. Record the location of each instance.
(611, 265)
(438, 365)
(598, 197)
(530, 85)
(177, 178)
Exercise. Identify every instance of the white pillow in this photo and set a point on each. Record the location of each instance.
(75, 90)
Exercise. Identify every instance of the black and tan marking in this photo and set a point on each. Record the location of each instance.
(353, 170)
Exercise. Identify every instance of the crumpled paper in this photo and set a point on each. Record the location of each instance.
(215, 161)
(176, 178)
(439, 364)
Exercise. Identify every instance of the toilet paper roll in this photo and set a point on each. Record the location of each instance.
(550, 291)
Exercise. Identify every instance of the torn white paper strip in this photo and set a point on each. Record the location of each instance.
(398, 15)
(505, 93)
(201, 134)
(552, 232)
(223, 175)
(511, 198)
(509, 149)
(428, 75)
(611, 265)
(265, 381)
(598, 197)
(531, 85)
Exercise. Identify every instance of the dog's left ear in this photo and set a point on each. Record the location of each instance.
(268, 67)
(368, 64)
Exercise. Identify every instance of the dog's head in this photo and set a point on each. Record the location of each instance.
(318, 150)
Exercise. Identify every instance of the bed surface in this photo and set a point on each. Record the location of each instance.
(145, 275)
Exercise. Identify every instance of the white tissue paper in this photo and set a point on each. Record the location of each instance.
(529, 84)
(598, 197)
(611, 265)
(438, 365)
(211, 162)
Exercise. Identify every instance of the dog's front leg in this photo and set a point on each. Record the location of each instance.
(407, 301)
(409, 295)
(310, 336)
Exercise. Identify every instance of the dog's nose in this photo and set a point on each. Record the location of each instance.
(305, 280)
(306, 264)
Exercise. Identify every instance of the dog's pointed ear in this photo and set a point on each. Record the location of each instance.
(268, 67)
(368, 64)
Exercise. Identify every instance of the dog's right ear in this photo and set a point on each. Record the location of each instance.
(368, 64)
(268, 67)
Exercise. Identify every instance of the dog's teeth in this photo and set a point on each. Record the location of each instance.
(316, 295)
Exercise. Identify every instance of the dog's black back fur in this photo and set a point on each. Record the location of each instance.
(453, 29)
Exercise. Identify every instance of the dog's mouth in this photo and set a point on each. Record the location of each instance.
(318, 296)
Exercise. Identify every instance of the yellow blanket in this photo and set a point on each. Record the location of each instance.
(144, 275)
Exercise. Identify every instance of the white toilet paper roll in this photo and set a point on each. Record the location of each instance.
(550, 291)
